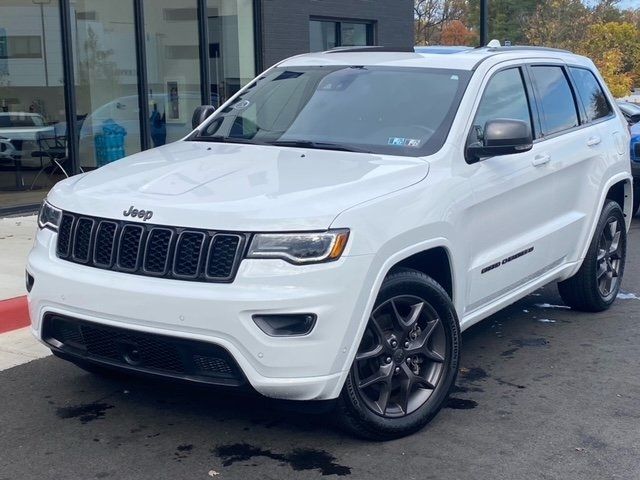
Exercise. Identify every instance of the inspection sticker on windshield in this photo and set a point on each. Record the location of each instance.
(404, 142)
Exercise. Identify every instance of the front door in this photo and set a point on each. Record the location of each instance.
(513, 217)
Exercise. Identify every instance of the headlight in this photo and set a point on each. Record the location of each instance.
(300, 248)
(49, 216)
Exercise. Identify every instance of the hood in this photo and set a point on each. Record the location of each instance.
(222, 186)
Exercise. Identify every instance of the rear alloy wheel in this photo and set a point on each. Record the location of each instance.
(406, 362)
(596, 285)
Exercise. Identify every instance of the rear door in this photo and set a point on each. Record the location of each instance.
(512, 221)
(576, 148)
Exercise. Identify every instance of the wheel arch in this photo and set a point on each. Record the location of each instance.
(434, 262)
(619, 188)
(621, 192)
(439, 248)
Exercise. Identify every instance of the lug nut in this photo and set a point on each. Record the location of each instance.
(388, 359)
(394, 343)
(397, 370)
(406, 344)
(409, 360)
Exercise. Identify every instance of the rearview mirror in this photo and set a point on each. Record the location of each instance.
(501, 136)
(200, 114)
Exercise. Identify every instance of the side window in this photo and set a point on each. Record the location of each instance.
(504, 97)
(556, 99)
(593, 98)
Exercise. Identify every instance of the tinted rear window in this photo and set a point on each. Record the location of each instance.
(556, 99)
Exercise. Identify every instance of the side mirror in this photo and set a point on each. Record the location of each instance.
(633, 119)
(502, 136)
(200, 114)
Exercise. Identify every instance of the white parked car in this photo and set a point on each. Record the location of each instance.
(329, 232)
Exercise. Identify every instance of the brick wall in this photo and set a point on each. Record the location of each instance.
(285, 23)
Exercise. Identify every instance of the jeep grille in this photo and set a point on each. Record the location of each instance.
(151, 250)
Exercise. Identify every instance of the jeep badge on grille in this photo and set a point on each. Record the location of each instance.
(134, 212)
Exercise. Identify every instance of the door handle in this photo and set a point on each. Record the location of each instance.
(540, 160)
(593, 141)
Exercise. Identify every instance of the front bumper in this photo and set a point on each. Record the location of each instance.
(310, 367)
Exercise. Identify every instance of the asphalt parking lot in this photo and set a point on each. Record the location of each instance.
(544, 393)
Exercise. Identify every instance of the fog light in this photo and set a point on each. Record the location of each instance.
(286, 325)
(28, 281)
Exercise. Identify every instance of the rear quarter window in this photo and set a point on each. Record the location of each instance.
(591, 94)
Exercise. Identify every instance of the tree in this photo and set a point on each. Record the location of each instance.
(558, 23)
(507, 18)
(432, 15)
(615, 49)
(610, 66)
(455, 33)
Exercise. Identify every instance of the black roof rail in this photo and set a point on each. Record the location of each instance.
(525, 47)
(370, 48)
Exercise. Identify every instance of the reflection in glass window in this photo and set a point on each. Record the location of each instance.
(231, 47)
(173, 67)
(504, 97)
(375, 109)
(591, 94)
(32, 118)
(556, 98)
(106, 80)
(322, 36)
(353, 34)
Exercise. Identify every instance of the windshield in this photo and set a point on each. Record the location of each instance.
(397, 111)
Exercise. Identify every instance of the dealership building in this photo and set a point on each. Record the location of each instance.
(85, 82)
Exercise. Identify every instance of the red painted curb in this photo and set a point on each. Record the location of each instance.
(14, 314)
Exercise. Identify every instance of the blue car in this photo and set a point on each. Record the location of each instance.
(635, 165)
(631, 112)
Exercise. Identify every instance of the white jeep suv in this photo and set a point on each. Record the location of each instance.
(330, 231)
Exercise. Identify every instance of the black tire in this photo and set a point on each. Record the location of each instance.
(636, 197)
(587, 290)
(424, 364)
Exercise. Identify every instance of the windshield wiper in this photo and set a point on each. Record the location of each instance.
(318, 145)
(225, 139)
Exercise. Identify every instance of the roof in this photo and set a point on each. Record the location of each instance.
(463, 59)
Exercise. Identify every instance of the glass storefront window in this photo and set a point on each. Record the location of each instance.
(34, 151)
(353, 34)
(32, 129)
(173, 67)
(231, 47)
(322, 36)
(106, 80)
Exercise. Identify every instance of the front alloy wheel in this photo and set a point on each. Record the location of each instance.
(406, 362)
(401, 356)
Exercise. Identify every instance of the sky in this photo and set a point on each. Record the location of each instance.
(623, 3)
